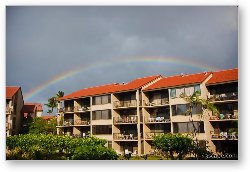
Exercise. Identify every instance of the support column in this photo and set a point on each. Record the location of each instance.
(139, 121)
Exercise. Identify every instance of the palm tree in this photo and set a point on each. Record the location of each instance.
(52, 103)
(59, 94)
(194, 100)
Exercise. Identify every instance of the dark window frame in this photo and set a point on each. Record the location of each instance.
(94, 117)
(102, 97)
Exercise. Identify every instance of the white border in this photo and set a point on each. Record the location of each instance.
(244, 88)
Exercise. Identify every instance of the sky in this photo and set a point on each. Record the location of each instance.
(68, 48)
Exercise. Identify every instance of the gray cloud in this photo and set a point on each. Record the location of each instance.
(43, 42)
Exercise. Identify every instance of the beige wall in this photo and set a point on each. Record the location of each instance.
(17, 104)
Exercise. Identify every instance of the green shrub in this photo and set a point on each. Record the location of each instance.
(42, 146)
(171, 144)
(94, 152)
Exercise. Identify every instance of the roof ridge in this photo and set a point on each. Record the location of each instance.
(147, 77)
(13, 86)
(100, 86)
(188, 74)
(225, 70)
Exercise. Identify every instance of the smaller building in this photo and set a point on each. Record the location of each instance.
(30, 111)
(14, 104)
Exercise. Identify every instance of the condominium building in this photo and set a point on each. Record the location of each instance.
(14, 104)
(129, 115)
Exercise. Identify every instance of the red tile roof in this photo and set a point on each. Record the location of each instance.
(179, 80)
(11, 91)
(223, 76)
(90, 91)
(137, 83)
(110, 88)
(31, 108)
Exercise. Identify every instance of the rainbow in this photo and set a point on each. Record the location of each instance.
(64, 75)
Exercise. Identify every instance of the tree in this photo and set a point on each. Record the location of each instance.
(59, 94)
(53, 101)
(40, 125)
(49, 147)
(171, 144)
(194, 101)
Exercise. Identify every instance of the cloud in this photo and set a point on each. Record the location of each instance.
(42, 42)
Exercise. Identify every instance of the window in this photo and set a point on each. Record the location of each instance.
(179, 91)
(179, 109)
(189, 91)
(99, 100)
(197, 109)
(101, 114)
(188, 127)
(102, 129)
(197, 88)
(173, 93)
(105, 99)
(182, 109)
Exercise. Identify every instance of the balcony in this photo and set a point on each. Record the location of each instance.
(81, 108)
(125, 137)
(151, 135)
(9, 110)
(69, 109)
(156, 102)
(225, 117)
(231, 134)
(157, 120)
(126, 120)
(82, 135)
(68, 123)
(125, 104)
(224, 96)
(82, 122)
(60, 110)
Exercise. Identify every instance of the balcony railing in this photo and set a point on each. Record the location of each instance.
(82, 135)
(68, 122)
(128, 120)
(156, 102)
(131, 136)
(157, 119)
(82, 122)
(9, 110)
(222, 135)
(81, 108)
(151, 135)
(131, 103)
(224, 96)
(227, 116)
(69, 109)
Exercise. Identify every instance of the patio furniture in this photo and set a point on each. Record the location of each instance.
(215, 134)
(131, 136)
(228, 116)
(158, 119)
(222, 116)
(134, 153)
(121, 136)
(232, 135)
